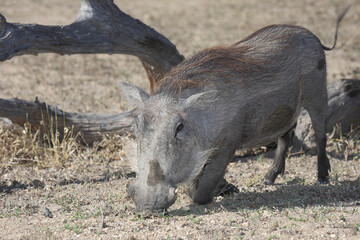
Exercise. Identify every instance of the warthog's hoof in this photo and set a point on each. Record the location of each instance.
(323, 180)
(151, 214)
(267, 182)
(226, 188)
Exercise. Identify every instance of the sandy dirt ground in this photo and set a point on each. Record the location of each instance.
(85, 197)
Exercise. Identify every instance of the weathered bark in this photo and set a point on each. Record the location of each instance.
(344, 104)
(101, 27)
(344, 109)
(42, 116)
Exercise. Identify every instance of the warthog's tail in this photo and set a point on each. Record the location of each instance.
(341, 16)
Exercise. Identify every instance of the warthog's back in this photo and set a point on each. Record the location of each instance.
(256, 60)
(259, 81)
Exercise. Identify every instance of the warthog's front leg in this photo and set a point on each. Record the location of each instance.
(206, 186)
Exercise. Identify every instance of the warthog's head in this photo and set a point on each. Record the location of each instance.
(168, 149)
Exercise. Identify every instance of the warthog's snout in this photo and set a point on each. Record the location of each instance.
(151, 198)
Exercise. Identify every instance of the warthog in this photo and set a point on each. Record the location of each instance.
(243, 95)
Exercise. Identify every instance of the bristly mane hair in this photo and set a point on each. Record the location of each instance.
(203, 68)
(220, 64)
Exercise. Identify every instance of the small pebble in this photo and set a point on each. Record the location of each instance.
(46, 212)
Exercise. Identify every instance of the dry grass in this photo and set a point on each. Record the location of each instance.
(84, 187)
(20, 145)
(345, 146)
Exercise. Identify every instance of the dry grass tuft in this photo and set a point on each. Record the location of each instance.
(23, 146)
(345, 146)
(15, 145)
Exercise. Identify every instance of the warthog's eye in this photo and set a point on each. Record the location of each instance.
(179, 127)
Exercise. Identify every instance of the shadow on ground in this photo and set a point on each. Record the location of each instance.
(294, 194)
(15, 185)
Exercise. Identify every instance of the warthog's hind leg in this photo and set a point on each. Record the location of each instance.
(316, 103)
(318, 123)
(279, 160)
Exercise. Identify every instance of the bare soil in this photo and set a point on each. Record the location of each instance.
(82, 193)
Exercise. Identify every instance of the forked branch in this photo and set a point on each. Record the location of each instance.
(100, 27)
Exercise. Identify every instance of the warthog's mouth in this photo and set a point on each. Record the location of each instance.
(152, 213)
(152, 200)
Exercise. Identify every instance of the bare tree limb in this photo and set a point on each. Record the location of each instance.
(41, 115)
(101, 27)
(344, 104)
(343, 109)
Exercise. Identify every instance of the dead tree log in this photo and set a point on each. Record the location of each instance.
(44, 117)
(344, 109)
(100, 27)
(344, 104)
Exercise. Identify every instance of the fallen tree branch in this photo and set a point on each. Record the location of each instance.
(41, 115)
(100, 27)
(343, 109)
(344, 104)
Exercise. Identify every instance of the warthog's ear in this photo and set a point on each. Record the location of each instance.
(135, 95)
(202, 99)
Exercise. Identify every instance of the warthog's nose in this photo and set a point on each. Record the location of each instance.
(151, 198)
